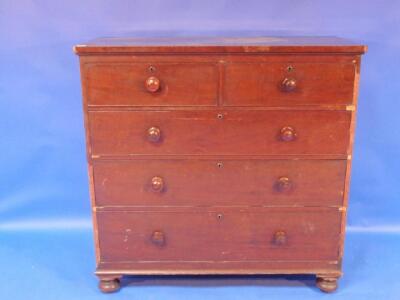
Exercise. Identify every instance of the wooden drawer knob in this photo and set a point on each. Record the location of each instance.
(289, 84)
(152, 84)
(288, 134)
(280, 238)
(154, 134)
(283, 184)
(158, 238)
(157, 184)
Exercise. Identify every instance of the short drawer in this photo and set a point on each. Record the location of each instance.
(288, 83)
(219, 132)
(145, 84)
(226, 235)
(210, 182)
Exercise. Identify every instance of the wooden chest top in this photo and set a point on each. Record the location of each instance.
(278, 44)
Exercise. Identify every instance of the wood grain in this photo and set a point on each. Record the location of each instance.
(180, 84)
(256, 44)
(312, 234)
(219, 267)
(260, 84)
(204, 132)
(188, 182)
(219, 155)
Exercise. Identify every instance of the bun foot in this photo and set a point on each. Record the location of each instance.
(327, 284)
(109, 285)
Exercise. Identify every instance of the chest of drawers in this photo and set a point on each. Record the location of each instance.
(219, 155)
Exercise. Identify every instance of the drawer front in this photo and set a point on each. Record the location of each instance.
(288, 84)
(219, 133)
(207, 182)
(265, 234)
(144, 84)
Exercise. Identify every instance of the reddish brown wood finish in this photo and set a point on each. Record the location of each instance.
(256, 44)
(275, 82)
(327, 267)
(220, 235)
(206, 133)
(219, 155)
(187, 182)
(136, 84)
(288, 83)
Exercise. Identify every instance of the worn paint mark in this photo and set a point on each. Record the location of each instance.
(310, 227)
(127, 233)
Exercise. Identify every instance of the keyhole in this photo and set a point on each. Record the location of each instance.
(152, 69)
(220, 165)
(290, 68)
(220, 216)
(220, 116)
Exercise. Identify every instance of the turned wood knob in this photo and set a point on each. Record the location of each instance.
(154, 134)
(157, 184)
(289, 84)
(283, 184)
(158, 238)
(152, 84)
(280, 238)
(287, 134)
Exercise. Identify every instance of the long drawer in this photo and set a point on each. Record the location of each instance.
(227, 235)
(211, 182)
(212, 132)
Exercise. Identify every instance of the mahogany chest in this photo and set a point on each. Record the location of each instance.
(219, 155)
